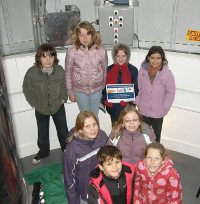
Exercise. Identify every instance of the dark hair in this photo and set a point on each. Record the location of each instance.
(157, 49)
(158, 146)
(118, 126)
(80, 120)
(42, 49)
(107, 153)
(96, 39)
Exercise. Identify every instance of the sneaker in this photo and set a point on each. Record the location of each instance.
(36, 159)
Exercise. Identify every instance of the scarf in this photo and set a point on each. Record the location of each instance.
(112, 75)
(152, 72)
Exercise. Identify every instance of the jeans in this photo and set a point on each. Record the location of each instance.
(90, 103)
(60, 122)
(156, 124)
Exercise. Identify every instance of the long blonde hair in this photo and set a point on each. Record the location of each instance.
(118, 126)
(80, 120)
(96, 39)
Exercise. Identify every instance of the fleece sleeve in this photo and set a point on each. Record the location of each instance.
(63, 90)
(28, 89)
(69, 169)
(137, 100)
(104, 65)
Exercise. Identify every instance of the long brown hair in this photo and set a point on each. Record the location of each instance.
(80, 120)
(96, 39)
(118, 126)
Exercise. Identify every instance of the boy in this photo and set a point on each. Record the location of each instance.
(112, 180)
(44, 89)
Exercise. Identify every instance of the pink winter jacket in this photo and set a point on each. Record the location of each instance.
(85, 70)
(155, 100)
(164, 187)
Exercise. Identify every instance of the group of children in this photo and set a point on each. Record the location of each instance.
(97, 168)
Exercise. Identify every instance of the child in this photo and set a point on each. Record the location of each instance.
(44, 89)
(156, 89)
(121, 72)
(85, 67)
(156, 179)
(112, 180)
(131, 135)
(79, 157)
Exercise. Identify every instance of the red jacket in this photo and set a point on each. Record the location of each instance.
(164, 186)
(102, 194)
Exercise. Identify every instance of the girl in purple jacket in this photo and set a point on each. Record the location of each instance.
(80, 156)
(131, 135)
(86, 68)
(156, 89)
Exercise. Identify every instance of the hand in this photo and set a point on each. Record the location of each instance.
(110, 105)
(122, 103)
(72, 98)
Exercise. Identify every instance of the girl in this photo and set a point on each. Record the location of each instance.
(131, 135)
(121, 72)
(85, 67)
(156, 179)
(44, 89)
(156, 89)
(79, 157)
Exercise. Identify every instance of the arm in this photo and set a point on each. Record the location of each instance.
(28, 89)
(138, 186)
(63, 90)
(109, 142)
(104, 65)
(137, 100)
(69, 65)
(68, 162)
(170, 92)
(175, 188)
(135, 81)
(151, 135)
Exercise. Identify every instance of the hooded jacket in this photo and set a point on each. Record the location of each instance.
(43, 92)
(98, 191)
(132, 143)
(85, 70)
(117, 108)
(164, 187)
(79, 159)
(155, 100)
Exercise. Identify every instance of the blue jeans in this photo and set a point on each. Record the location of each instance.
(60, 122)
(90, 103)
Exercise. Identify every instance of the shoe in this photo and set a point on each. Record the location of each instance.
(36, 159)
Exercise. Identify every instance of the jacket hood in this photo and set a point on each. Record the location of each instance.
(144, 65)
(128, 52)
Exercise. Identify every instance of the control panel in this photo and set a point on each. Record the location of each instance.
(116, 24)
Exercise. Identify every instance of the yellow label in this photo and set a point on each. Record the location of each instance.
(193, 35)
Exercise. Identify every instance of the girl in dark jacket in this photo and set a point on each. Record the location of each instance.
(79, 157)
(121, 72)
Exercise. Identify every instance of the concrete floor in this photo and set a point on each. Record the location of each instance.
(188, 168)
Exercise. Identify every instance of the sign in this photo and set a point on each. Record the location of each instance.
(193, 35)
(119, 92)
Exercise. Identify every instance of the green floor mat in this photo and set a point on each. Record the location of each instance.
(51, 178)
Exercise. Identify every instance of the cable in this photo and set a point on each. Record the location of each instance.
(137, 40)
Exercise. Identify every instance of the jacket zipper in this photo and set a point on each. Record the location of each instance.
(48, 94)
(119, 190)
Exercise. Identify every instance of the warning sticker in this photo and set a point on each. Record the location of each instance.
(193, 35)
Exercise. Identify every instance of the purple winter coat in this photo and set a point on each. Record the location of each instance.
(132, 143)
(79, 159)
(155, 100)
(85, 71)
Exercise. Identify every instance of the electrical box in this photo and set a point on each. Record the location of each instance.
(116, 24)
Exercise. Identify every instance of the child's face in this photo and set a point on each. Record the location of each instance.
(131, 122)
(90, 129)
(154, 160)
(84, 37)
(121, 57)
(47, 60)
(112, 168)
(155, 60)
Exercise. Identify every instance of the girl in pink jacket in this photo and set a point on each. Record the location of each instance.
(86, 68)
(156, 179)
(156, 89)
